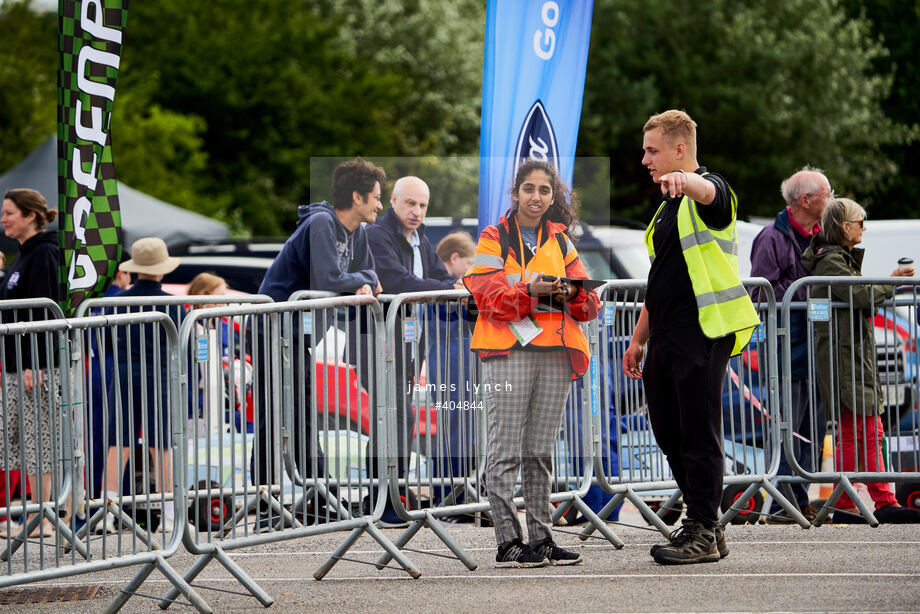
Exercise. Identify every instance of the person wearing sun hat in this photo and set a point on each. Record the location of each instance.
(139, 358)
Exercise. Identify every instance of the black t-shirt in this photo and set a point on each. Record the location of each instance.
(669, 300)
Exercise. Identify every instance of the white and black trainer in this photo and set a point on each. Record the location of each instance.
(554, 554)
(516, 554)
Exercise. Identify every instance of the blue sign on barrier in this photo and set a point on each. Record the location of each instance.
(819, 310)
(202, 349)
(410, 330)
(608, 315)
(308, 323)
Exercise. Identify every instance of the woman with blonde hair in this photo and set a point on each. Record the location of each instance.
(846, 357)
(205, 284)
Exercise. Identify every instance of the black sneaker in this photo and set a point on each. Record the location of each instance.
(679, 536)
(554, 554)
(516, 554)
(696, 544)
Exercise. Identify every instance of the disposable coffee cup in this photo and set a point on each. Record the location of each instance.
(905, 263)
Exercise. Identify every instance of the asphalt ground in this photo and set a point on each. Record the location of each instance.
(770, 568)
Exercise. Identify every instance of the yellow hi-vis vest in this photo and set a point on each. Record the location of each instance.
(712, 262)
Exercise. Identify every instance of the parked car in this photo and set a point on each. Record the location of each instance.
(242, 273)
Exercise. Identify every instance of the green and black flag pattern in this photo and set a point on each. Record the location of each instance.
(91, 237)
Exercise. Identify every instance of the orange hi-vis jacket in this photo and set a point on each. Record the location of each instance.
(499, 288)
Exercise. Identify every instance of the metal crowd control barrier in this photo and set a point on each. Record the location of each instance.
(302, 466)
(85, 556)
(868, 445)
(40, 350)
(35, 434)
(627, 460)
(437, 428)
(94, 394)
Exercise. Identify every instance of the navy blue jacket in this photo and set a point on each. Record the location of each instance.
(140, 338)
(393, 258)
(320, 255)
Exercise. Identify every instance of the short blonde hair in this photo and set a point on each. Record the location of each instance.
(459, 242)
(205, 283)
(675, 126)
(837, 212)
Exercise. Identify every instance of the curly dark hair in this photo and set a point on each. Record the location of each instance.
(564, 208)
(356, 175)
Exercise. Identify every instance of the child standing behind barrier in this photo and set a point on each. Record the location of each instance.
(531, 346)
(846, 358)
(141, 381)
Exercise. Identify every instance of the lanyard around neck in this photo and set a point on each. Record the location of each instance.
(526, 276)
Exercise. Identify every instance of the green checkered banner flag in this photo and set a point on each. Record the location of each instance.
(90, 48)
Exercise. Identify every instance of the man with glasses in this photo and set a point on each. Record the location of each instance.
(327, 251)
(776, 255)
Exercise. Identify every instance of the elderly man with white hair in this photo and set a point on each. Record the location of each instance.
(776, 255)
(405, 261)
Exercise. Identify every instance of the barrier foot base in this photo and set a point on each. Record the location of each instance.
(397, 555)
(62, 531)
(235, 570)
(649, 514)
(189, 576)
(380, 538)
(597, 523)
(243, 578)
(171, 574)
(783, 501)
(439, 530)
(845, 486)
(602, 516)
(401, 541)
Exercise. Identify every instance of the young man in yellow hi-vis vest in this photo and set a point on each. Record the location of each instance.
(696, 315)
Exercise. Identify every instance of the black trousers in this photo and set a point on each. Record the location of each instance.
(683, 377)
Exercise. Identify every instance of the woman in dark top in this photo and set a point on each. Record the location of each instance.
(846, 357)
(25, 416)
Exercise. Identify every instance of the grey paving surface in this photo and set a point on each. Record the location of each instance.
(770, 568)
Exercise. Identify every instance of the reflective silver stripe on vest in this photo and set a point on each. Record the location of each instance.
(720, 296)
(487, 260)
(541, 308)
(512, 278)
(569, 248)
(704, 236)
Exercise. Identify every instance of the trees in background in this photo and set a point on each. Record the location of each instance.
(28, 81)
(773, 85)
(896, 23)
(231, 107)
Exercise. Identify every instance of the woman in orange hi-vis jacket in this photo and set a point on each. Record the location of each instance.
(531, 346)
